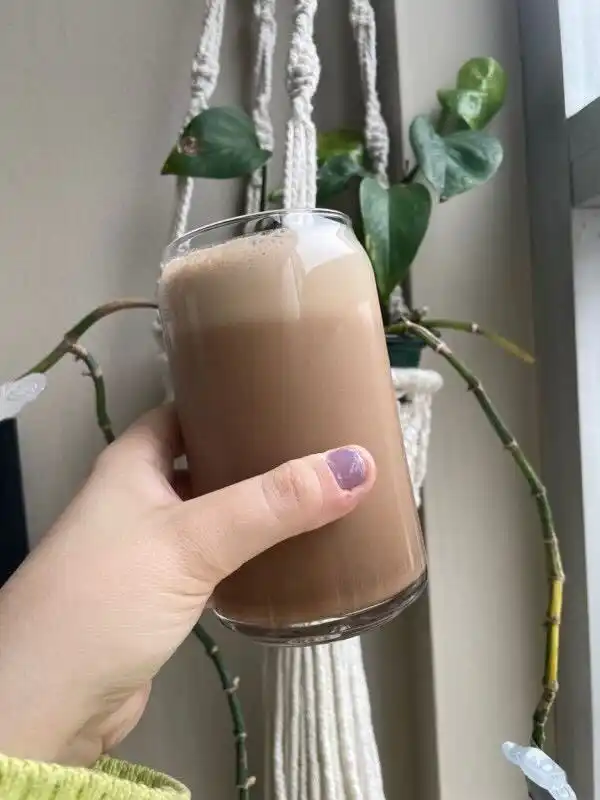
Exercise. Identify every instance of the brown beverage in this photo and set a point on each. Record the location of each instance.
(276, 349)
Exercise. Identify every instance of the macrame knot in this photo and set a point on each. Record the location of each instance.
(205, 72)
(264, 14)
(361, 13)
(304, 74)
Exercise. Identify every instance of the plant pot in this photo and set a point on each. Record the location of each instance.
(404, 350)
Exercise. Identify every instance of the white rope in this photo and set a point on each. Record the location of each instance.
(264, 13)
(303, 72)
(377, 140)
(414, 391)
(323, 744)
(205, 72)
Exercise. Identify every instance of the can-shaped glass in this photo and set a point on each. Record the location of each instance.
(276, 349)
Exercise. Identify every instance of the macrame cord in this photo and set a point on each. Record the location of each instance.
(205, 73)
(320, 741)
(377, 140)
(204, 76)
(266, 25)
(303, 73)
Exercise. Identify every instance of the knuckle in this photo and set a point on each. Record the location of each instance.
(293, 487)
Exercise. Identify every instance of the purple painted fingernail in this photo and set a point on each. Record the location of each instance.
(348, 467)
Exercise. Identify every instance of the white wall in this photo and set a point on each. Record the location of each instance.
(92, 97)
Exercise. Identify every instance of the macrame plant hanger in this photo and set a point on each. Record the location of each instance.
(320, 743)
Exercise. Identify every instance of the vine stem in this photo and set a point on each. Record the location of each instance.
(244, 780)
(467, 327)
(73, 335)
(69, 344)
(556, 575)
(95, 373)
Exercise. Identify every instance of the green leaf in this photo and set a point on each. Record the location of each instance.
(374, 206)
(409, 214)
(473, 157)
(395, 222)
(334, 175)
(337, 143)
(462, 106)
(218, 143)
(455, 163)
(430, 152)
(480, 92)
(340, 156)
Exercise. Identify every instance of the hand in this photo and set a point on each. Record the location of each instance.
(121, 579)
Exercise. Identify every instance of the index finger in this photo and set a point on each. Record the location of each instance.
(154, 438)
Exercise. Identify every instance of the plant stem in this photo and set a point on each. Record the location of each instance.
(73, 335)
(95, 373)
(70, 344)
(244, 780)
(556, 576)
(475, 328)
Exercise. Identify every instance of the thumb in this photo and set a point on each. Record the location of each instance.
(222, 530)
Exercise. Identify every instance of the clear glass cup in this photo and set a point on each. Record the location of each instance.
(276, 349)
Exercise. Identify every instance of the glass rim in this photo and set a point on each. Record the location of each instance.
(244, 218)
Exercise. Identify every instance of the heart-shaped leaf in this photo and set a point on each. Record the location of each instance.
(473, 157)
(374, 206)
(479, 94)
(430, 152)
(409, 213)
(395, 221)
(455, 163)
(218, 143)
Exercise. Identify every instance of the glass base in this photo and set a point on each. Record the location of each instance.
(334, 629)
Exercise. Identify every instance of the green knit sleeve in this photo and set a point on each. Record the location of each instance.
(109, 779)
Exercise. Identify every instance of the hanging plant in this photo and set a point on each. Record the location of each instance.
(453, 155)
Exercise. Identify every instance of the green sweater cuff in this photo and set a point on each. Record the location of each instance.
(109, 779)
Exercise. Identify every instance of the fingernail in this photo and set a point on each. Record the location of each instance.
(348, 467)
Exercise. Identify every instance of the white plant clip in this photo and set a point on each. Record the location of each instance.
(15, 395)
(540, 770)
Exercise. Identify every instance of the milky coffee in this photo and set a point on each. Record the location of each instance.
(276, 350)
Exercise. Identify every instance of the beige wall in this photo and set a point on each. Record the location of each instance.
(92, 96)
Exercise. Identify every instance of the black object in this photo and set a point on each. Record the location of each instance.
(13, 525)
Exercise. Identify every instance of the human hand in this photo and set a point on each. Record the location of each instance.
(120, 580)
